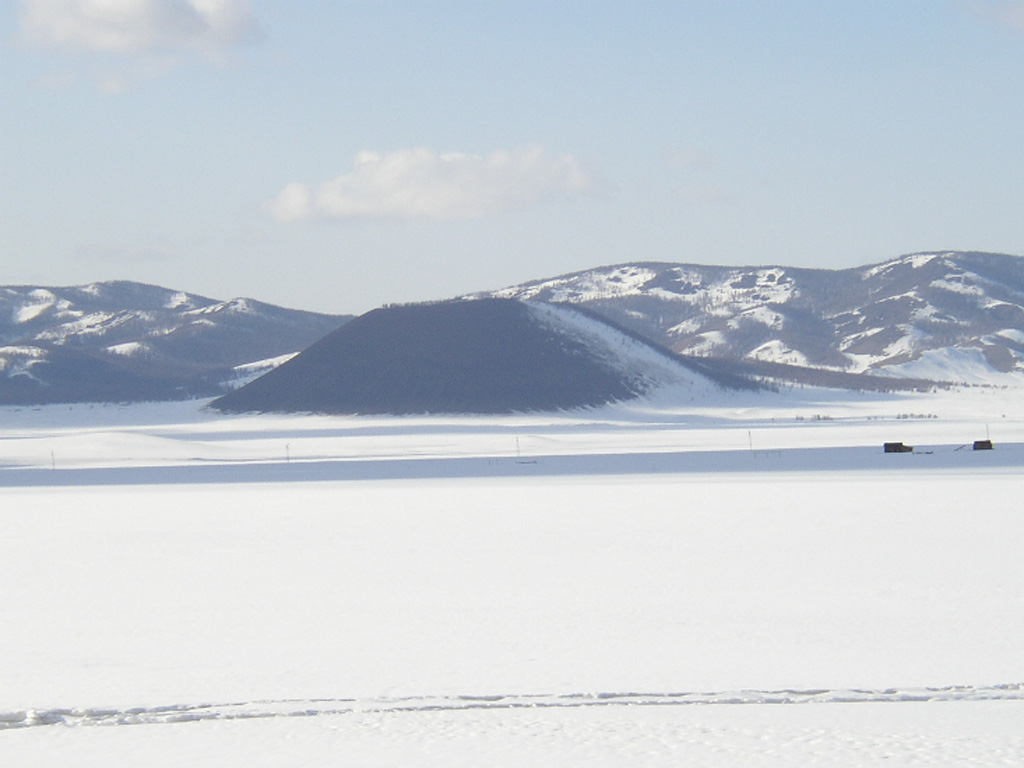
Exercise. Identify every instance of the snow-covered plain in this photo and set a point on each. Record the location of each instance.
(742, 580)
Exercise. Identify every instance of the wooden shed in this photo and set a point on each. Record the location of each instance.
(897, 448)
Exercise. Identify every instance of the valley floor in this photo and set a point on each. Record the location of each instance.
(750, 581)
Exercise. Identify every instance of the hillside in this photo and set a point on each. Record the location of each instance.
(121, 341)
(907, 323)
(484, 356)
(943, 316)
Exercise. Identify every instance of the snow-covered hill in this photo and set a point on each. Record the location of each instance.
(944, 316)
(129, 341)
(951, 317)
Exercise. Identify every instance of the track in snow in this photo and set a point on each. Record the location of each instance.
(286, 708)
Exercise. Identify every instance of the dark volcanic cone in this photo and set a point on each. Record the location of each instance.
(484, 356)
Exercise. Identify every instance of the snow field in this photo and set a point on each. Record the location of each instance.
(946, 734)
(374, 608)
(148, 596)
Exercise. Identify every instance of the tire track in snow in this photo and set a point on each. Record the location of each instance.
(285, 708)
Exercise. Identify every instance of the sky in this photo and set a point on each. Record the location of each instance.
(337, 155)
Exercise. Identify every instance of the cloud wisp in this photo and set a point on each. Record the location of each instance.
(422, 183)
(137, 26)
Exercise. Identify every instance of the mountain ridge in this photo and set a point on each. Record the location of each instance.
(916, 321)
(122, 340)
(907, 317)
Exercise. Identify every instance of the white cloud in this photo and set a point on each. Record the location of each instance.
(420, 183)
(136, 26)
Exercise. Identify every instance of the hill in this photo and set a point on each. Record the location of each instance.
(938, 316)
(481, 356)
(124, 341)
(911, 322)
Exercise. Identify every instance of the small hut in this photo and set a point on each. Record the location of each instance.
(897, 448)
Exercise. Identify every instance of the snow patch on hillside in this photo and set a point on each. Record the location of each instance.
(649, 367)
(128, 349)
(735, 293)
(240, 306)
(1012, 334)
(243, 374)
(709, 342)
(97, 322)
(958, 286)
(954, 364)
(177, 300)
(590, 286)
(907, 344)
(684, 328)
(859, 363)
(15, 360)
(915, 260)
(22, 350)
(759, 314)
(853, 338)
(41, 300)
(776, 352)
(918, 260)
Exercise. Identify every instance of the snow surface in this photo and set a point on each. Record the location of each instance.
(622, 352)
(958, 286)
(241, 306)
(1013, 334)
(741, 579)
(955, 364)
(23, 351)
(776, 351)
(128, 348)
(619, 281)
(44, 300)
(762, 315)
(94, 323)
(178, 299)
(907, 344)
(919, 260)
(251, 371)
(916, 261)
(19, 360)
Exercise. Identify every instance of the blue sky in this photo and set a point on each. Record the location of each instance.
(337, 155)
